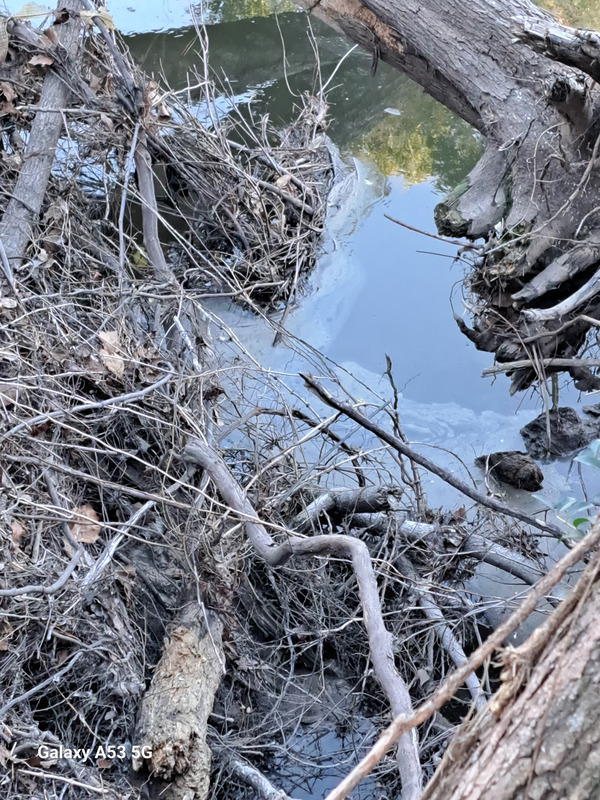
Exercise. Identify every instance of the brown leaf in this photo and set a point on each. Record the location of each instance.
(112, 362)
(51, 35)
(41, 60)
(104, 763)
(95, 83)
(163, 111)
(8, 91)
(86, 526)
(16, 532)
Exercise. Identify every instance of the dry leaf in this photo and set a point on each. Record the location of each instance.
(41, 60)
(86, 526)
(6, 631)
(110, 339)
(12, 160)
(102, 14)
(163, 111)
(113, 362)
(104, 763)
(8, 91)
(8, 302)
(107, 121)
(30, 10)
(95, 83)
(16, 532)
(283, 181)
(51, 36)
(8, 394)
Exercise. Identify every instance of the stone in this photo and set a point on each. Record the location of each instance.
(568, 434)
(513, 468)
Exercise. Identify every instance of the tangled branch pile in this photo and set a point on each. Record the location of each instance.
(128, 584)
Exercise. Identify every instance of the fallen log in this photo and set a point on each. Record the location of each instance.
(23, 210)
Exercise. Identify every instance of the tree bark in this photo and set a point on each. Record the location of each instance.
(533, 194)
(541, 742)
(23, 210)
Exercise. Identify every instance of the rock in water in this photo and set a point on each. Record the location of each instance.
(514, 468)
(568, 434)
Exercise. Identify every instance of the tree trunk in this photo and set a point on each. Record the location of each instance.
(542, 742)
(533, 194)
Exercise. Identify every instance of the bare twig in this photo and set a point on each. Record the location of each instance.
(35, 689)
(261, 785)
(65, 412)
(405, 450)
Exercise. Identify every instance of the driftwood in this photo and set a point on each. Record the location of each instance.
(175, 710)
(23, 209)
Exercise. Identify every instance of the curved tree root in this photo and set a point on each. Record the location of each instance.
(380, 640)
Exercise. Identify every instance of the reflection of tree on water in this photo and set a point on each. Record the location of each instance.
(424, 139)
(214, 11)
(577, 13)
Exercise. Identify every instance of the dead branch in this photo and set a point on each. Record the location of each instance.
(423, 461)
(262, 785)
(38, 688)
(23, 209)
(566, 363)
(145, 177)
(571, 46)
(474, 545)
(380, 643)
(346, 501)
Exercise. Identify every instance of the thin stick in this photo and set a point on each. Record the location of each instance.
(47, 590)
(454, 681)
(405, 450)
(430, 235)
(64, 412)
(128, 170)
(35, 689)
(63, 779)
(106, 557)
